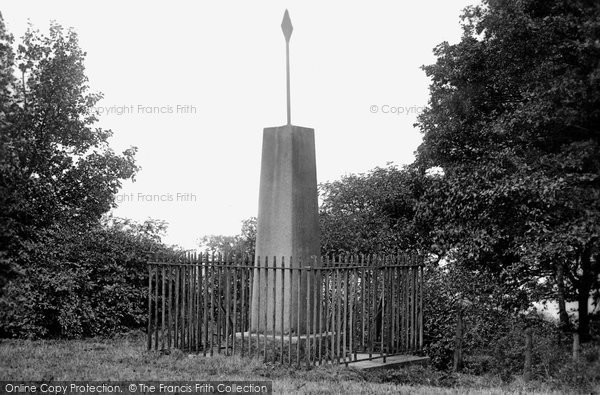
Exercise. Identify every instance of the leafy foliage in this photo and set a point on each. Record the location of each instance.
(244, 243)
(487, 310)
(56, 168)
(64, 271)
(514, 123)
(83, 284)
(370, 213)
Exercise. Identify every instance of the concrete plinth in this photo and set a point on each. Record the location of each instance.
(288, 226)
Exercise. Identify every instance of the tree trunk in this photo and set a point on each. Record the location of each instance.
(575, 347)
(565, 323)
(585, 285)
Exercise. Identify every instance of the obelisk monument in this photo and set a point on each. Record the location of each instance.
(288, 222)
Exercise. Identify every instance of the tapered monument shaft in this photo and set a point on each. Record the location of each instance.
(287, 224)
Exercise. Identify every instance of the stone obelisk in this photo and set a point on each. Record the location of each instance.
(288, 224)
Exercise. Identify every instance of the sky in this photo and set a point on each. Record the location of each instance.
(193, 84)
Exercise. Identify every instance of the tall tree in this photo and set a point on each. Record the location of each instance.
(514, 122)
(370, 213)
(7, 82)
(56, 169)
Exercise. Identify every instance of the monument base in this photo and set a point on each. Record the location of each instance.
(286, 338)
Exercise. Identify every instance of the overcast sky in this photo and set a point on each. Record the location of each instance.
(193, 84)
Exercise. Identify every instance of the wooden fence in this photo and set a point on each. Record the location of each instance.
(362, 308)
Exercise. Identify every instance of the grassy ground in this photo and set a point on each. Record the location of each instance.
(124, 358)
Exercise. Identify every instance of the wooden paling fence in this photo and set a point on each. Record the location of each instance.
(358, 308)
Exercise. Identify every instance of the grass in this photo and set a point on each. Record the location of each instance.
(124, 358)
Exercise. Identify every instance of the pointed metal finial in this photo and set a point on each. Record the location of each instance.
(286, 26)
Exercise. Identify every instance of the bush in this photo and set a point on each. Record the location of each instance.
(494, 328)
(82, 283)
(583, 374)
(484, 306)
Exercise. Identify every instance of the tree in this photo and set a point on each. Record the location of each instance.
(64, 270)
(244, 243)
(56, 169)
(7, 80)
(514, 122)
(370, 213)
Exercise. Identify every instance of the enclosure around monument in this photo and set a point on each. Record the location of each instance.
(286, 303)
(362, 307)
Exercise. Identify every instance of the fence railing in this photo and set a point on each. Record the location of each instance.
(357, 308)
